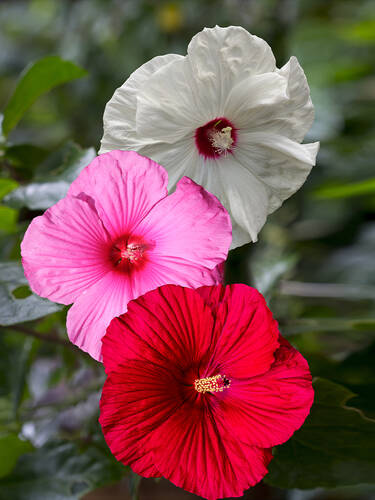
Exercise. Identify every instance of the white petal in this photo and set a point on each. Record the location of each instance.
(280, 163)
(179, 159)
(119, 114)
(300, 115)
(242, 194)
(170, 106)
(256, 100)
(228, 53)
(277, 102)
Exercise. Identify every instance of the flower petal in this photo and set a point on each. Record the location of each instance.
(192, 233)
(246, 335)
(276, 103)
(196, 454)
(244, 196)
(229, 53)
(124, 186)
(119, 114)
(280, 163)
(65, 251)
(300, 115)
(180, 159)
(266, 410)
(92, 312)
(170, 106)
(256, 100)
(163, 327)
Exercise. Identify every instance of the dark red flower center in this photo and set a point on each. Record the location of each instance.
(212, 384)
(217, 138)
(129, 253)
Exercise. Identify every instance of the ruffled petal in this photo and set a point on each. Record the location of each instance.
(300, 115)
(227, 54)
(167, 327)
(92, 312)
(276, 103)
(119, 114)
(124, 186)
(246, 335)
(282, 165)
(65, 251)
(266, 410)
(192, 234)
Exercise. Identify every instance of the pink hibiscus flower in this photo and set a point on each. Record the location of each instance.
(200, 386)
(116, 235)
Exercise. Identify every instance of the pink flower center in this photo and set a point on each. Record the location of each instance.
(129, 253)
(212, 384)
(217, 138)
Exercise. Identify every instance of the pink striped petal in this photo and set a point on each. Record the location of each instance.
(193, 232)
(126, 192)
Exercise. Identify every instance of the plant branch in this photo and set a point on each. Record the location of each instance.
(54, 339)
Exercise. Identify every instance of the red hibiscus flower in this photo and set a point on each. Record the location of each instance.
(200, 386)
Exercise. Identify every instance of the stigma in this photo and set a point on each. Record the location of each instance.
(212, 384)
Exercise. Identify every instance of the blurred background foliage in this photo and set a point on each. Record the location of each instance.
(314, 260)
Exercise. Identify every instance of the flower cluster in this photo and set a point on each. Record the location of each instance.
(200, 383)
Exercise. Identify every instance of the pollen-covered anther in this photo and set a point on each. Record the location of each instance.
(212, 384)
(132, 252)
(221, 140)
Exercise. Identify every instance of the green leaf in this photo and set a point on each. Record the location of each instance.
(335, 446)
(346, 190)
(6, 185)
(60, 471)
(8, 219)
(24, 158)
(11, 448)
(37, 79)
(13, 310)
(41, 195)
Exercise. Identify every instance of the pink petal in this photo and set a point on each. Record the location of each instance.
(125, 193)
(266, 410)
(246, 335)
(65, 251)
(192, 232)
(92, 312)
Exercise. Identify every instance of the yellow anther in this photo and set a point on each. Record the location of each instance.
(212, 384)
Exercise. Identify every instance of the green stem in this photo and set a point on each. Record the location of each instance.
(134, 484)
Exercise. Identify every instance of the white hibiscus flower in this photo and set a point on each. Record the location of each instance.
(224, 116)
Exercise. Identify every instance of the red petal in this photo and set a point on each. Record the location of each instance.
(169, 326)
(246, 335)
(266, 410)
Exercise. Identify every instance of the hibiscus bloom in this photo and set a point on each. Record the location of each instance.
(116, 235)
(225, 116)
(200, 386)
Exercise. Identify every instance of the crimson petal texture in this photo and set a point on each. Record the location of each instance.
(200, 386)
(117, 235)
